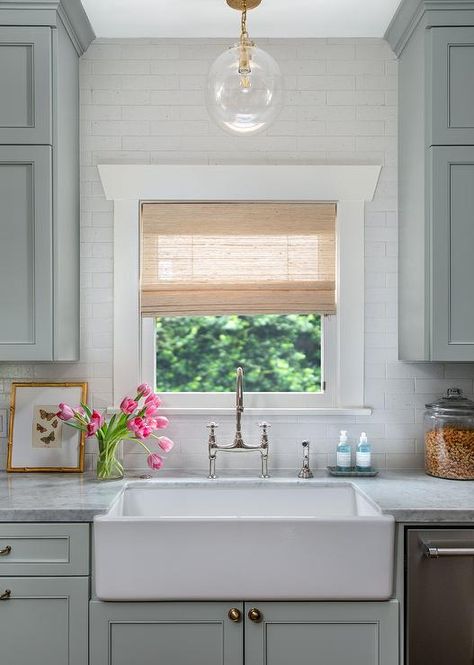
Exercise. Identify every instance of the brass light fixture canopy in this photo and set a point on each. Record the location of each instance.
(240, 5)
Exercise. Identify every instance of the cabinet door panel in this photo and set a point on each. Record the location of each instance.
(44, 621)
(452, 85)
(25, 253)
(44, 549)
(164, 633)
(25, 82)
(452, 251)
(323, 634)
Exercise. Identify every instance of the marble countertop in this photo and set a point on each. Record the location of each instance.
(410, 496)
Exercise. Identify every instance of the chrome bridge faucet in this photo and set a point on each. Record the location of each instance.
(238, 445)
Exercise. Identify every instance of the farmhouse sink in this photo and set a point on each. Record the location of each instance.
(318, 542)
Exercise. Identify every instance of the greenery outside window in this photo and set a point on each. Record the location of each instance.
(278, 353)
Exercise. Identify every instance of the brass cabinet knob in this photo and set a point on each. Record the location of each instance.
(255, 615)
(234, 614)
(5, 551)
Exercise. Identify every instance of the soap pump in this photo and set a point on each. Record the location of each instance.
(363, 454)
(343, 453)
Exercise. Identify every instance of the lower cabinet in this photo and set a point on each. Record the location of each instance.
(323, 634)
(165, 633)
(43, 620)
(277, 633)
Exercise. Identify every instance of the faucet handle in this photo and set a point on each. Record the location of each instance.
(264, 426)
(212, 433)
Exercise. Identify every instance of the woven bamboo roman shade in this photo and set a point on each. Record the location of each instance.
(237, 258)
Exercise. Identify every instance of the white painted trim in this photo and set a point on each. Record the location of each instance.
(127, 343)
(237, 183)
(348, 186)
(148, 352)
(350, 300)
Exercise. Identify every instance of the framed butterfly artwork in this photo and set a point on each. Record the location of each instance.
(37, 439)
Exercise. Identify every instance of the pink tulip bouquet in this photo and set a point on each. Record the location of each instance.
(137, 421)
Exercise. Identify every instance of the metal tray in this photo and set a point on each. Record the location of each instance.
(332, 470)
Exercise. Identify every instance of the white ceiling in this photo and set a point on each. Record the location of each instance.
(213, 18)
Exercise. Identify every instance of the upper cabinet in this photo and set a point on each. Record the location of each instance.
(452, 232)
(451, 102)
(40, 45)
(26, 253)
(25, 82)
(435, 46)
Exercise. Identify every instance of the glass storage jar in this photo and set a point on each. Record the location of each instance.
(449, 437)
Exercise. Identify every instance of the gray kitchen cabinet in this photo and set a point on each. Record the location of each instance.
(26, 253)
(452, 86)
(308, 633)
(26, 85)
(35, 550)
(435, 46)
(44, 620)
(165, 633)
(323, 634)
(40, 45)
(452, 236)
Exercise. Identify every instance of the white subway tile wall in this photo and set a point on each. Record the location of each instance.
(142, 101)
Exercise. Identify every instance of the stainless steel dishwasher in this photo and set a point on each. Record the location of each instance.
(440, 597)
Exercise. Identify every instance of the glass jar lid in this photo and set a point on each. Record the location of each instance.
(453, 403)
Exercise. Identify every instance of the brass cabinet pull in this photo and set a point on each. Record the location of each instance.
(6, 551)
(5, 595)
(234, 614)
(255, 615)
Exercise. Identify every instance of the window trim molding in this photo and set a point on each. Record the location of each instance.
(349, 186)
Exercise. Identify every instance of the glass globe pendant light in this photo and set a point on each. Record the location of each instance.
(244, 87)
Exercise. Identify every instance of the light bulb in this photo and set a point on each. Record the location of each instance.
(244, 89)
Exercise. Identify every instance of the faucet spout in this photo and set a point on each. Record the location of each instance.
(238, 445)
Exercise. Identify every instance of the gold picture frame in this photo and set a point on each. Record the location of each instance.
(35, 434)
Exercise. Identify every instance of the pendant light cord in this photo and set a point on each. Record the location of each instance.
(244, 33)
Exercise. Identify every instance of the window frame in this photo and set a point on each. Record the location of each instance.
(349, 186)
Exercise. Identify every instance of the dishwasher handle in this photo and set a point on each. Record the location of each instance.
(434, 551)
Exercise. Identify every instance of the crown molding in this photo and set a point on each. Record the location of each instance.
(434, 12)
(46, 12)
(169, 182)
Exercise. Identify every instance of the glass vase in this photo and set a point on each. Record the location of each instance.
(110, 462)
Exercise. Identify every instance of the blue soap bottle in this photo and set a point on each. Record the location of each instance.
(363, 454)
(343, 453)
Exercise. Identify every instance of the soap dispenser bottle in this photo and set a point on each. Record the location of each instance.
(343, 453)
(363, 454)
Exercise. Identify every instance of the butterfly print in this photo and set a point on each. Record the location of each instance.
(47, 415)
(40, 428)
(54, 424)
(48, 439)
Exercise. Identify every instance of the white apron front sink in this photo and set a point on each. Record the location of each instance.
(318, 542)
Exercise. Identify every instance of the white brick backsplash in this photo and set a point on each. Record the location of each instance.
(355, 98)
(142, 101)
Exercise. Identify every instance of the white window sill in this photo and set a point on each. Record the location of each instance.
(322, 411)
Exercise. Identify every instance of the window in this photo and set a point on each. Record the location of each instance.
(247, 284)
(351, 186)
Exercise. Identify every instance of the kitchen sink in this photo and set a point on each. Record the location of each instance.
(178, 542)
